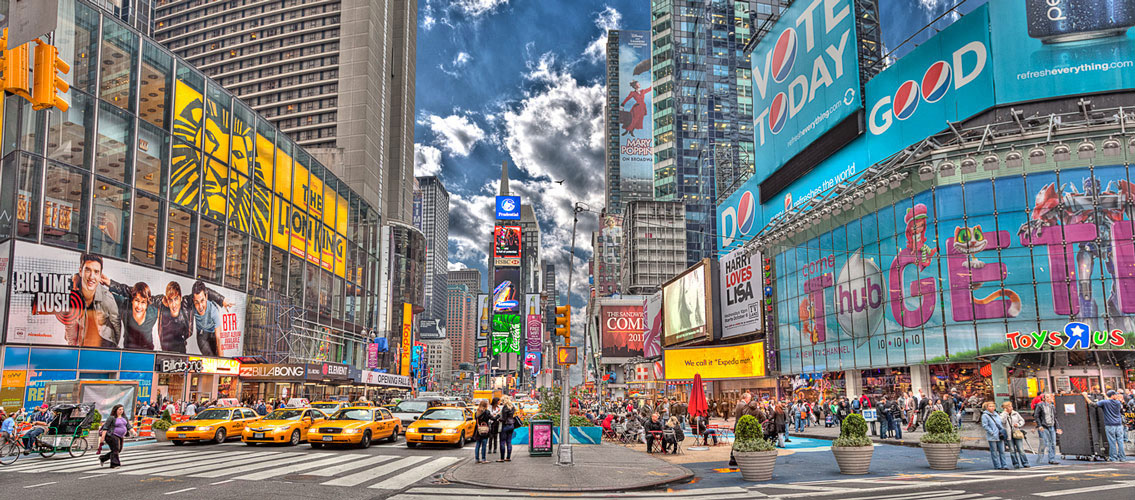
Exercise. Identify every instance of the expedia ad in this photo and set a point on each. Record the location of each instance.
(805, 79)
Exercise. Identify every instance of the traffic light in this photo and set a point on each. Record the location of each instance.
(563, 323)
(14, 64)
(48, 67)
(566, 355)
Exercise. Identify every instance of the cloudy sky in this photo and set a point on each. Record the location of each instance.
(522, 81)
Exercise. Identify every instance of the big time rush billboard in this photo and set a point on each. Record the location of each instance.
(64, 298)
(985, 267)
(805, 79)
(636, 102)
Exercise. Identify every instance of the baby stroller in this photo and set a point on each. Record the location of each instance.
(68, 430)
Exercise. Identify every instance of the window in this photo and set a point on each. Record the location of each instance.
(180, 247)
(258, 266)
(119, 57)
(67, 132)
(115, 131)
(64, 206)
(236, 269)
(112, 219)
(278, 271)
(295, 280)
(152, 156)
(145, 238)
(27, 197)
(211, 252)
(155, 82)
(76, 37)
(31, 128)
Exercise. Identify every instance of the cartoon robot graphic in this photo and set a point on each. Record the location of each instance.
(1100, 207)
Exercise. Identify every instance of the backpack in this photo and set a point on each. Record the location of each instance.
(855, 404)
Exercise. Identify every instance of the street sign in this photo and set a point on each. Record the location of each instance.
(566, 355)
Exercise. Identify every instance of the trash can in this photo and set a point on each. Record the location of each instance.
(540, 438)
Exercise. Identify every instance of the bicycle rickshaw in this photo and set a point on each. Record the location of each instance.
(67, 432)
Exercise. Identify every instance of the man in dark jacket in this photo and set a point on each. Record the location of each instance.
(653, 429)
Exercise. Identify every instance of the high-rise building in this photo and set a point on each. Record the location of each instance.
(336, 76)
(627, 114)
(607, 243)
(439, 359)
(471, 278)
(139, 14)
(461, 322)
(654, 245)
(704, 119)
(431, 216)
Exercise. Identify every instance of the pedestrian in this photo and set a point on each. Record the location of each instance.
(738, 412)
(494, 423)
(994, 434)
(780, 424)
(1013, 423)
(8, 427)
(672, 435)
(884, 415)
(1048, 427)
(1113, 424)
(508, 425)
(114, 429)
(481, 433)
(705, 430)
(39, 420)
(190, 409)
(654, 430)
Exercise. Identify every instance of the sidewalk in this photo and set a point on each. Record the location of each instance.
(603, 467)
(973, 436)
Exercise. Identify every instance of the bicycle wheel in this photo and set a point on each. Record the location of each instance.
(79, 447)
(9, 453)
(45, 451)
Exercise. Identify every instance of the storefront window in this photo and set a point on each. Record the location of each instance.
(27, 197)
(64, 206)
(76, 37)
(171, 386)
(112, 219)
(236, 269)
(212, 251)
(119, 58)
(180, 245)
(115, 132)
(145, 239)
(155, 81)
(68, 132)
(152, 156)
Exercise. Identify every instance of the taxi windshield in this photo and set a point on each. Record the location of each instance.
(411, 407)
(443, 414)
(325, 406)
(284, 415)
(351, 415)
(212, 415)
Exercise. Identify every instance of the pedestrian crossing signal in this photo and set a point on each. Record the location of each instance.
(566, 355)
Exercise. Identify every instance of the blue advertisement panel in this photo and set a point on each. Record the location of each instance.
(1047, 48)
(636, 131)
(805, 79)
(508, 207)
(947, 275)
(947, 78)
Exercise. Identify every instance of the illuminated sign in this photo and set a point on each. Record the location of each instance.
(508, 207)
(724, 362)
(216, 365)
(407, 334)
(506, 242)
(1075, 335)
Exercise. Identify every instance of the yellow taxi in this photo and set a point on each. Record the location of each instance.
(328, 407)
(214, 424)
(286, 425)
(528, 408)
(442, 424)
(355, 425)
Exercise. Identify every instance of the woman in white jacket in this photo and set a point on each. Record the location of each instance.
(1013, 423)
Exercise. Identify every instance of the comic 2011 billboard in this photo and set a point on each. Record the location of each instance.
(636, 102)
(61, 297)
(621, 330)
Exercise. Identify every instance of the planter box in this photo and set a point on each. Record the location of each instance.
(756, 465)
(942, 456)
(160, 436)
(853, 459)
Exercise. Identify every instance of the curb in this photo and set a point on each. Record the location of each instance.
(897, 442)
(448, 476)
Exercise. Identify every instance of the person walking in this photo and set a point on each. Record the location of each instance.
(994, 434)
(1048, 427)
(508, 425)
(1113, 424)
(1013, 423)
(113, 431)
(494, 423)
(481, 433)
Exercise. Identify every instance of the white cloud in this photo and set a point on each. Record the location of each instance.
(427, 160)
(477, 8)
(459, 61)
(455, 133)
(607, 19)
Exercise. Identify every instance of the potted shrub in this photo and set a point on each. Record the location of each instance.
(159, 427)
(755, 455)
(853, 449)
(941, 443)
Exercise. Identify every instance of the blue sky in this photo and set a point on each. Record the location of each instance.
(522, 81)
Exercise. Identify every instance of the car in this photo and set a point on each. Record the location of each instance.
(329, 407)
(442, 424)
(286, 425)
(409, 410)
(214, 424)
(529, 408)
(355, 425)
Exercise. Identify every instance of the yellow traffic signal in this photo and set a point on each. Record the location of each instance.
(566, 355)
(48, 67)
(563, 323)
(14, 64)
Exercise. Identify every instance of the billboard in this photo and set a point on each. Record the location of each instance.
(407, 336)
(506, 311)
(652, 334)
(428, 329)
(506, 241)
(1060, 47)
(740, 277)
(534, 327)
(508, 207)
(715, 363)
(621, 330)
(57, 299)
(688, 306)
(947, 78)
(636, 102)
(805, 79)
(483, 315)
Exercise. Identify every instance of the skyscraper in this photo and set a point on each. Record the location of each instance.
(703, 105)
(471, 278)
(629, 141)
(431, 216)
(461, 322)
(137, 13)
(653, 246)
(336, 76)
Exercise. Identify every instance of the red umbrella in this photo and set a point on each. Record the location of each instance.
(698, 406)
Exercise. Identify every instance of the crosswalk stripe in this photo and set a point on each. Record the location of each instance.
(96, 468)
(1089, 489)
(415, 474)
(172, 464)
(194, 469)
(721, 492)
(42, 464)
(283, 471)
(262, 465)
(332, 471)
(374, 472)
(420, 494)
(70, 464)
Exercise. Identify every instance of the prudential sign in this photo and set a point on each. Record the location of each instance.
(805, 79)
(508, 207)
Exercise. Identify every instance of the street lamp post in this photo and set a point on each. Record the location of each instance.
(565, 457)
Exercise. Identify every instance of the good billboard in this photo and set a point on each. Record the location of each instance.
(688, 305)
(621, 328)
(636, 141)
(58, 297)
(805, 79)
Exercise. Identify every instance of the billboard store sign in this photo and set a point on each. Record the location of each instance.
(622, 329)
(272, 372)
(335, 370)
(384, 379)
(652, 335)
(805, 79)
(58, 300)
(1047, 48)
(947, 78)
(740, 293)
(508, 207)
(170, 364)
(1074, 335)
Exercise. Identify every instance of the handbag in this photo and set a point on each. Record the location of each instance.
(1002, 435)
(1017, 434)
(483, 429)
